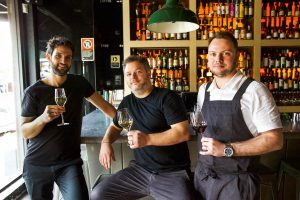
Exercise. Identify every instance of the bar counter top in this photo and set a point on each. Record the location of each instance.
(95, 124)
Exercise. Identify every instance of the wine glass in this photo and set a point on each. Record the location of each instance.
(198, 122)
(61, 99)
(124, 119)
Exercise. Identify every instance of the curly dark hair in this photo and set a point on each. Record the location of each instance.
(56, 41)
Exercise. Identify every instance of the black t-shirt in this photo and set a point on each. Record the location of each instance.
(56, 144)
(154, 114)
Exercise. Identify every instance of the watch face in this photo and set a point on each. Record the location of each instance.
(228, 151)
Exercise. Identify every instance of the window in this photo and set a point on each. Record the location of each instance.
(10, 162)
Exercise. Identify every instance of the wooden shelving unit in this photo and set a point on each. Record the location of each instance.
(256, 45)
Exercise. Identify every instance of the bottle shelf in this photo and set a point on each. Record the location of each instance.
(255, 46)
(160, 43)
(280, 43)
(289, 108)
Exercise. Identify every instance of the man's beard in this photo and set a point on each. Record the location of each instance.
(59, 72)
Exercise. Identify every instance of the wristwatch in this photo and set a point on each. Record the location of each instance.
(228, 150)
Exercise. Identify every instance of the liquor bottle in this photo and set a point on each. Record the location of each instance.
(296, 81)
(236, 31)
(289, 9)
(164, 82)
(241, 9)
(154, 7)
(154, 59)
(227, 10)
(275, 33)
(181, 59)
(297, 11)
(138, 9)
(231, 9)
(186, 86)
(275, 80)
(293, 8)
(273, 10)
(297, 30)
(267, 9)
(246, 9)
(204, 34)
(178, 87)
(250, 5)
(290, 32)
(148, 34)
(249, 32)
(172, 84)
(200, 11)
(236, 9)
(211, 31)
(186, 59)
(282, 31)
(282, 9)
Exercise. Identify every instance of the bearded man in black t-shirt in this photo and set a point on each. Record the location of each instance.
(53, 152)
(158, 136)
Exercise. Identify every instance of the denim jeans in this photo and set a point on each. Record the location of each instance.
(40, 180)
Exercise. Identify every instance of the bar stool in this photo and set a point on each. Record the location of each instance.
(292, 168)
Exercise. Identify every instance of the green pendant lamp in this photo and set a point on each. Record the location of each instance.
(173, 18)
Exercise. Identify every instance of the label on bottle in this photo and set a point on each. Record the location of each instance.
(243, 34)
(273, 13)
(275, 34)
(249, 36)
(277, 63)
(211, 34)
(178, 36)
(296, 63)
(275, 85)
(148, 35)
(297, 35)
(184, 35)
(167, 36)
(236, 34)
(285, 85)
(266, 62)
(295, 85)
(154, 36)
(159, 36)
(280, 83)
(282, 35)
(287, 63)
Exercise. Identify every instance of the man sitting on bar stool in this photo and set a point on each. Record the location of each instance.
(243, 122)
(158, 138)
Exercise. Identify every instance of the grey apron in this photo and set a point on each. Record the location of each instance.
(225, 178)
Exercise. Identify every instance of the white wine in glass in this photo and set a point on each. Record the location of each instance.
(61, 99)
(124, 119)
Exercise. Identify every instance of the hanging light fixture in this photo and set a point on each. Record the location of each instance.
(173, 18)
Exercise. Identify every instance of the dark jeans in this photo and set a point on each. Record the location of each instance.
(135, 182)
(40, 180)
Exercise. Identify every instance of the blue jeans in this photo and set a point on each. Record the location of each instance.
(39, 181)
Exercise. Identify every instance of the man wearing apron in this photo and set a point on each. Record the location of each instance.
(243, 122)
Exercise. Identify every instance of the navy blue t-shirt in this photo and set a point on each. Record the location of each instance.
(154, 114)
(56, 144)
